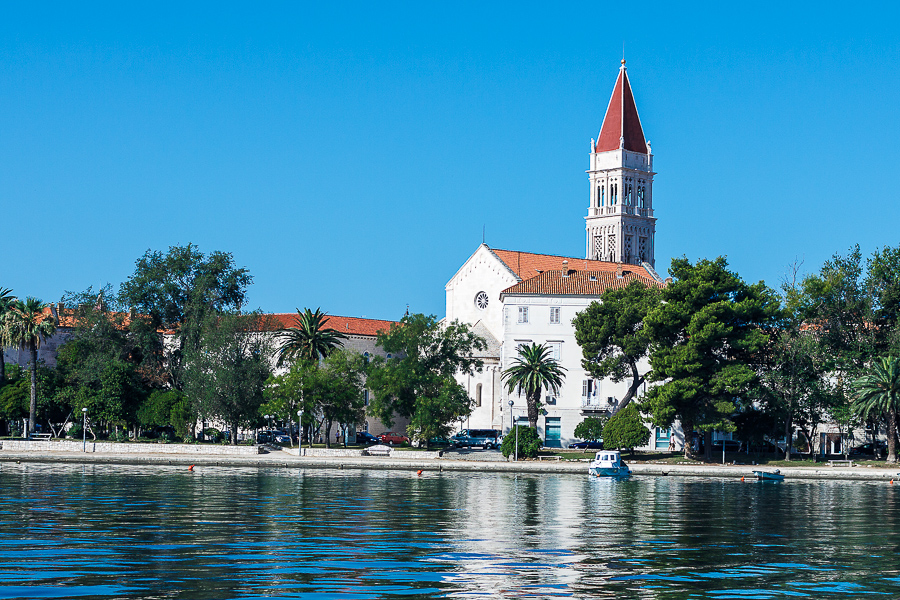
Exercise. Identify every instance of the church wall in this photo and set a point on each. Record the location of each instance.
(483, 272)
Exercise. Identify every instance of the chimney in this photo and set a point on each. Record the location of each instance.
(565, 268)
(619, 271)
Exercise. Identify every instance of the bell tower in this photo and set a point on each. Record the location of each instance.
(620, 222)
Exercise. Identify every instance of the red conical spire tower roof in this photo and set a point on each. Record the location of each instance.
(621, 125)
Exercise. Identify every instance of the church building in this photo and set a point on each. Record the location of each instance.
(512, 298)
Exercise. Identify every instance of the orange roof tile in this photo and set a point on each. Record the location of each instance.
(581, 283)
(348, 325)
(527, 265)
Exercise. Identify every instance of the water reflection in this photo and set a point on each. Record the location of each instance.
(98, 531)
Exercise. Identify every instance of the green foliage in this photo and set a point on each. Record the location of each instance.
(613, 337)
(626, 429)
(179, 291)
(26, 325)
(310, 339)
(533, 370)
(591, 429)
(529, 442)
(6, 300)
(418, 381)
(228, 369)
(878, 393)
(169, 407)
(707, 336)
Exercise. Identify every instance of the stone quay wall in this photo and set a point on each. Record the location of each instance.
(126, 448)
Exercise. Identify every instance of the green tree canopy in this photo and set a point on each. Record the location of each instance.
(879, 393)
(613, 337)
(707, 337)
(6, 300)
(178, 291)
(626, 429)
(227, 371)
(591, 429)
(27, 324)
(417, 381)
(533, 370)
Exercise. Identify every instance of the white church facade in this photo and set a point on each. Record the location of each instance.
(513, 298)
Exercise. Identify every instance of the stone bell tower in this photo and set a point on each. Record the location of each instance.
(620, 222)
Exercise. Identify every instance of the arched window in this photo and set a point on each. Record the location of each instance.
(478, 395)
(600, 195)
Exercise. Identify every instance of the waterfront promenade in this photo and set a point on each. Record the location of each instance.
(412, 461)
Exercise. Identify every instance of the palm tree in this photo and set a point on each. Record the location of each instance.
(534, 369)
(6, 299)
(26, 325)
(878, 393)
(309, 339)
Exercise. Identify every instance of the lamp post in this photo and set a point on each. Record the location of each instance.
(462, 419)
(84, 430)
(299, 428)
(512, 420)
(269, 419)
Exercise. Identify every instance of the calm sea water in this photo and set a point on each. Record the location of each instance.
(112, 531)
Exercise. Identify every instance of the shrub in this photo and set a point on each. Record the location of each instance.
(529, 442)
(626, 429)
(590, 429)
(74, 431)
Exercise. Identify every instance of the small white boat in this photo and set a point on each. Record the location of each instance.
(769, 475)
(608, 463)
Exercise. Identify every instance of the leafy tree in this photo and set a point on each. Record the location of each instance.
(6, 300)
(309, 339)
(707, 336)
(612, 335)
(529, 442)
(27, 324)
(590, 429)
(178, 291)
(533, 370)
(879, 393)
(626, 429)
(167, 407)
(417, 381)
(227, 370)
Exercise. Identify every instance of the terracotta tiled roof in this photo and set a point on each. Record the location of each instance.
(348, 325)
(527, 265)
(581, 283)
(621, 120)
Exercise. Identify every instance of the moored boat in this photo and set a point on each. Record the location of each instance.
(608, 463)
(769, 475)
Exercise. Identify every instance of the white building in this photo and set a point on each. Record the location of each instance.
(513, 298)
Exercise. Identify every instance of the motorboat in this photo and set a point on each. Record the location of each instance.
(769, 475)
(608, 463)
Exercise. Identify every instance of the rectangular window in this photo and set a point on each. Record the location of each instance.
(366, 396)
(587, 387)
(523, 314)
(554, 350)
(554, 315)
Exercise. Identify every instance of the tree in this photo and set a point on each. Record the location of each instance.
(309, 339)
(612, 335)
(27, 324)
(590, 429)
(417, 381)
(178, 291)
(626, 429)
(879, 393)
(227, 370)
(167, 407)
(533, 370)
(706, 340)
(6, 300)
(529, 442)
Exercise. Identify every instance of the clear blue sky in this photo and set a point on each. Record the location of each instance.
(348, 154)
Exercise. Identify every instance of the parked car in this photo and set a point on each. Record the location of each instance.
(588, 445)
(730, 445)
(392, 438)
(869, 448)
(438, 441)
(272, 437)
(365, 438)
(486, 438)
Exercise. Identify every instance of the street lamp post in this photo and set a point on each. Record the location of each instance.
(84, 430)
(512, 421)
(269, 419)
(462, 419)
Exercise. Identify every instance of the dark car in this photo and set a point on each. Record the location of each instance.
(588, 445)
(730, 445)
(364, 437)
(869, 448)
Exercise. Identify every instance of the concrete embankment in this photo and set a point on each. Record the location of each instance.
(411, 461)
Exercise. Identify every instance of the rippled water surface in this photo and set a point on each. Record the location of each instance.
(156, 532)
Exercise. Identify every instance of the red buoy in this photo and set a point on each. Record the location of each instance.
(191, 468)
(419, 472)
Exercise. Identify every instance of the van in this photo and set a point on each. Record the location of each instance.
(486, 438)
